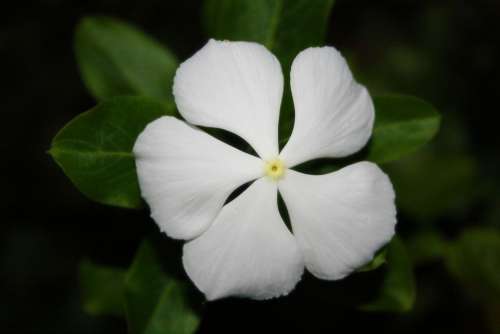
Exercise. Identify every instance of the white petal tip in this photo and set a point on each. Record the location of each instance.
(185, 175)
(340, 219)
(247, 251)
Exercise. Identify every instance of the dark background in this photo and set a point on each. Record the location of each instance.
(446, 52)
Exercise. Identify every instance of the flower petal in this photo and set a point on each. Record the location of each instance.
(248, 251)
(333, 113)
(340, 219)
(235, 86)
(185, 175)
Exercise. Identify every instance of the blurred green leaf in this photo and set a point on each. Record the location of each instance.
(242, 20)
(95, 148)
(116, 58)
(429, 185)
(397, 293)
(285, 27)
(102, 289)
(155, 303)
(152, 302)
(402, 125)
(474, 259)
(379, 259)
(426, 246)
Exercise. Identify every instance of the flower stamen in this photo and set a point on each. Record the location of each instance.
(274, 169)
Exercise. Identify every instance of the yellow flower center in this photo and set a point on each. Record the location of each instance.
(275, 169)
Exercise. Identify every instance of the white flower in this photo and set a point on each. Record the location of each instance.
(244, 248)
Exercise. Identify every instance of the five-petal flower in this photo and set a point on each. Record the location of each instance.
(243, 248)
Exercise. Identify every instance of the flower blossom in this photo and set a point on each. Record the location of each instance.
(243, 247)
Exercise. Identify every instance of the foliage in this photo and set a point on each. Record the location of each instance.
(102, 289)
(95, 148)
(116, 58)
(431, 184)
(151, 301)
(473, 259)
(397, 293)
(402, 125)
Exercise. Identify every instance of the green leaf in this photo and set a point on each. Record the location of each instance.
(397, 293)
(474, 260)
(427, 246)
(242, 20)
(155, 303)
(447, 176)
(116, 58)
(402, 125)
(102, 289)
(379, 259)
(95, 148)
(285, 27)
